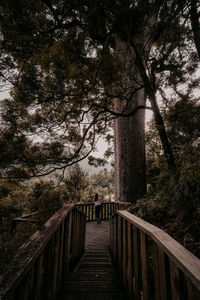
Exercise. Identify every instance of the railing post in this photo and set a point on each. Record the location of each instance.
(69, 239)
(115, 238)
(124, 259)
(119, 242)
(55, 263)
(22, 291)
(175, 281)
(47, 269)
(156, 272)
(60, 269)
(111, 236)
(144, 266)
(136, 265)
(36, 272)
(193, 293)
(163, 274)
(153, 265)
(130, 259)
(37, 278)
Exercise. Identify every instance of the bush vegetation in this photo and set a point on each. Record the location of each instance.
(44, 197)
(173, 199)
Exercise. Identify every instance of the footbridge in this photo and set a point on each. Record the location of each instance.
(123, 257)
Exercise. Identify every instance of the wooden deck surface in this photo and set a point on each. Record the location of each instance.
(94, 278)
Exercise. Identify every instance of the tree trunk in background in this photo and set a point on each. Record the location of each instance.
(129, 143)
(194, 16)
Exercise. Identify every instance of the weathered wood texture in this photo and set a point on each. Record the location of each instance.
(153, 265)
(107, 209)
(94, 277)
(37, 270)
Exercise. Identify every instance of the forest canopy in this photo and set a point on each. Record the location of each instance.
(64, 63)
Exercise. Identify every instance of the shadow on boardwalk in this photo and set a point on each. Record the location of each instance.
(94, 277)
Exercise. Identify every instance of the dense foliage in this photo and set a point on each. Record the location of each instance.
(65, 62)
(173, 203)
(44, 197)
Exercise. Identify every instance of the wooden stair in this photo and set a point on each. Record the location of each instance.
(94, 278)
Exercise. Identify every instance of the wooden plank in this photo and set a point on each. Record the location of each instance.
(130, 260)
(79, 234)
(93, 213)
(38, 278)
(144, 264)
(185, 260)
(28, 253)
(89, 213)
(21, 293)
(83, 231)
(111, 236)
(75, 228)
(163, 273)
(55, 264)
(193, 292)
(73, 236)
(175, 282)
(65, 245)
(48, 267)
(61, 260)
(119, 242)
(136, 288)
(108, 211)
(144, 226)
(115, 241)
(94, 277)
(156, 276)
(124, 253)
(69, 239)
(78, 238)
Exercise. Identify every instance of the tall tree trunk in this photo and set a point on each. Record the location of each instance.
(163, 134)
(130, 169)
(194, 17)
(151, 93)
(129, 133)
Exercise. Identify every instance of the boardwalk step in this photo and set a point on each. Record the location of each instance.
(95, 297)
(91, 276)
(90, 285)
(81, 291)
(94, 277)
(97, 257)
(97, 253)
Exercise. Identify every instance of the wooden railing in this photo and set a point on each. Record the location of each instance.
(107, 209)
(153, 265)
(37, 270)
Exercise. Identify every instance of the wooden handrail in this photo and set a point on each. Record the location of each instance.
(153, 264)
(107, 209)
(37, 270)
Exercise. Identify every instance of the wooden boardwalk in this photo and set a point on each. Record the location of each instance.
(152, 264)
(94, 278)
